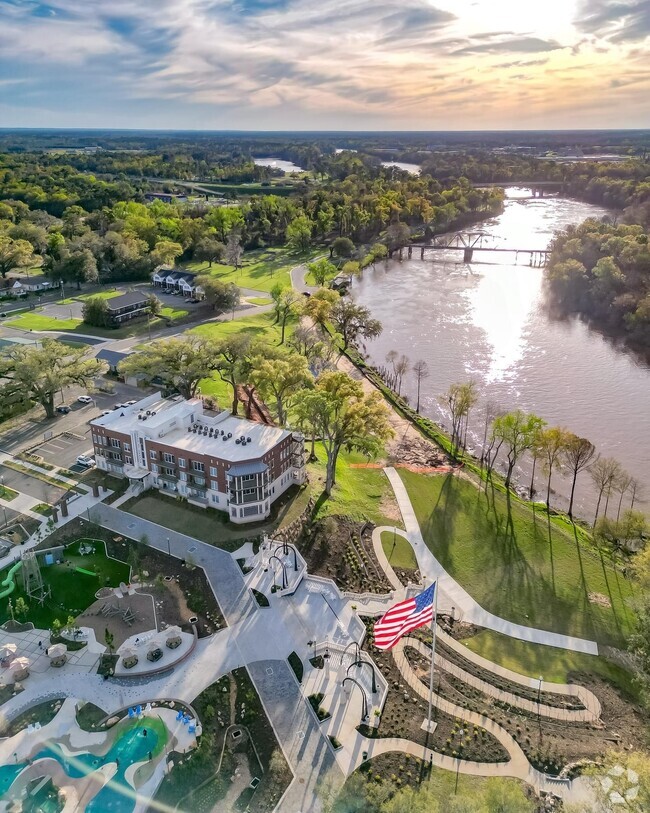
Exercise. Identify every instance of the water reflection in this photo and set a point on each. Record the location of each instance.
(490, 322)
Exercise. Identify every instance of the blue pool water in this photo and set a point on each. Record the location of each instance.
(131, 746)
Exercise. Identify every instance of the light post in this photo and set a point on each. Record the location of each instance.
(169, 548)
(4, 508)
(62, 293)
(461, 734)
(539, 706)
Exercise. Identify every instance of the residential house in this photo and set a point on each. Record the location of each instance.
(130, 305)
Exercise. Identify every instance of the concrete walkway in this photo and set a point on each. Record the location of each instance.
(453, 595)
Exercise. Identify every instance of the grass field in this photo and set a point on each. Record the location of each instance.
(555, 665)
(37, 321)
(259, 300)
(72, 592)
(361, 494)
(173, 313)
(398, 551)
(532, 572)
(261, 269)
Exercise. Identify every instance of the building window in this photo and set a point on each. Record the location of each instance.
(95, 438)
(129, 460)
(154, 469)
(168, 458)
(115, 443)
(198, 466)
(153, 455)
(213, 471)
(183, 475)
(127, 447)
(215, 498)
(181, 462)
(214, 485)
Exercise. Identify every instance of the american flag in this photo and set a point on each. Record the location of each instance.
(404, 617)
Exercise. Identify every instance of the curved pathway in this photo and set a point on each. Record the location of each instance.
(455, 595)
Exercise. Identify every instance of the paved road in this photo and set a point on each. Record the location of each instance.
(457, 596)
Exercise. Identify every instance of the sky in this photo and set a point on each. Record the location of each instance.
(325, 64)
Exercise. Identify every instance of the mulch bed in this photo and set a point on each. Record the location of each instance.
(338, 548)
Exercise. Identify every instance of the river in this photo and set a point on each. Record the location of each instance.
(277, 163)
(490, 323)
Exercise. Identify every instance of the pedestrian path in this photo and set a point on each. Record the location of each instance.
(453, 595)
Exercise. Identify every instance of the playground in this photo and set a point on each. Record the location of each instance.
(63, 582)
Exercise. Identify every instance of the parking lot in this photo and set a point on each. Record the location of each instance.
(27, 484)
(64, 449)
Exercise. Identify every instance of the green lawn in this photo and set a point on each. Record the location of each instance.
(261, 269)
(7, 494)
(173, 313)
(533, 572)
(259, 300)
(359, 493)
(553, 664)
(398, 551)
(37, 321)
(72, 592)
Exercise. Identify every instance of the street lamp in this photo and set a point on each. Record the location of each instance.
(169, 549)
(2, 490)
(539, 705)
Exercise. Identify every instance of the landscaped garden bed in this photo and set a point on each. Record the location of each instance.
(338, 548)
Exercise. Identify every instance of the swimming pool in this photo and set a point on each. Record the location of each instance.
(133, 744)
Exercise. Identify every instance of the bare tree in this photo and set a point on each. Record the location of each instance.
(578, 454)
(551, 443)
(233, 249)
(459, 400)
(634, 489)
(402, 366)
(603, 473)
(421, 371)
(621, 485)
(491, 410)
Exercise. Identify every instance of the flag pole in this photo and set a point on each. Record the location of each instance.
(434, 626)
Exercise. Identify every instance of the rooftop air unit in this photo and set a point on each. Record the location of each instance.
(248, 439)
(229, 435)
(238, 441)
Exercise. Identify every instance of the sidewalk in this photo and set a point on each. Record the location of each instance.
(452, 594)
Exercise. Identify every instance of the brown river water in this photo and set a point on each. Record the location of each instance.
(489, 322)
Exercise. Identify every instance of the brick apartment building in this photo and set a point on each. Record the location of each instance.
(212, 459)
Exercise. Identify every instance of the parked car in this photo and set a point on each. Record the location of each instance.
(85, 460)
(118, 406)
(63, 410)
(85, 399)
(130, 403)
(106, 412)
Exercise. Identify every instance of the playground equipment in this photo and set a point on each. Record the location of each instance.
(32, 578)
(8, 584)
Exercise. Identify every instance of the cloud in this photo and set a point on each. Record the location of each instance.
(515, 45)
(616, 21)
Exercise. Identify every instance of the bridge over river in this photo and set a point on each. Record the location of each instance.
(468, 243)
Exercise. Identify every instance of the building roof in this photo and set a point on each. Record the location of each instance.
(254, 467)
(168, 422)
(113, 357)
(129, 298)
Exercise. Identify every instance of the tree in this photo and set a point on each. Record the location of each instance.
(420, 371)
(397, 235)
(154, 305)
(604, 472)
(354, 321)
(517, 431)
(322, 270)
(351, 268)
(578, 454)
(179, 362)
(14, 254)
(621, 485)
(165, 252)
(222, 296)
(21, 607)
(78, 265)
(233, 353)
(233, 248)
(551, 444)
(209, 250)
(41, 372)
(319, 306)
(378, 252)
(95, 312)
(109, 640)
(342, 248)
(285, 308)
(299, 232)
(340, 414)
(281, 376)
(459, 400)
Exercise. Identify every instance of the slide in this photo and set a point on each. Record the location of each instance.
(8, 585)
